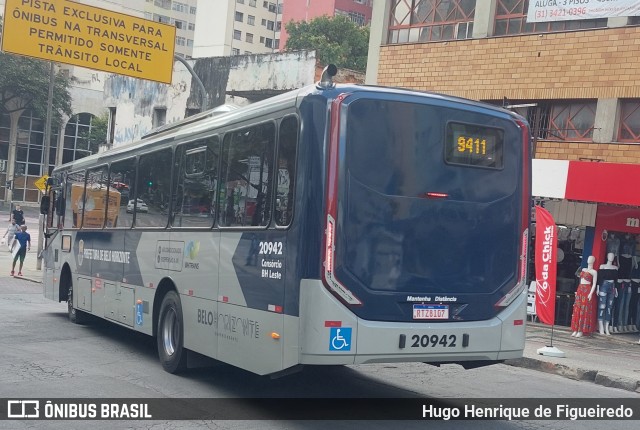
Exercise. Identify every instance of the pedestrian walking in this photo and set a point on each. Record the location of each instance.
(11, 232)
(25, 244)
(18, 215)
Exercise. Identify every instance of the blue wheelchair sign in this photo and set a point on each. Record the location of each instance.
(139, 314)
(340, 339)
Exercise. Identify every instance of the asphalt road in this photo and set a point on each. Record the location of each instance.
(43, 355)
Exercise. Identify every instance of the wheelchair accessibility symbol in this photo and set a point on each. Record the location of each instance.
(340, 339)
(139, 314)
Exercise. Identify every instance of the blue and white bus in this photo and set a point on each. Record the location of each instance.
(331, 225)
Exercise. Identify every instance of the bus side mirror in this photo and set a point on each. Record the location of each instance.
(44, 205)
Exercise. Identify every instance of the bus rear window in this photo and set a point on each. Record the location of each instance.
(473, 145)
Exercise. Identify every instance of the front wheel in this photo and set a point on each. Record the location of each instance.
(75, 316)
(170, 337)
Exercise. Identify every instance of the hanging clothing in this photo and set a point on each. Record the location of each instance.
(583, 309)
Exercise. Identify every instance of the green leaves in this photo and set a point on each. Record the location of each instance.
(336, 40)
(24, 84)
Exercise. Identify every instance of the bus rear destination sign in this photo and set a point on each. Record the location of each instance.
(86, 36)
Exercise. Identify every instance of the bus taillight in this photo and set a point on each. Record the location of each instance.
(524, 221)
(329, 278)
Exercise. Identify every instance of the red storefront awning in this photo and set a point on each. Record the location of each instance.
(612, 183)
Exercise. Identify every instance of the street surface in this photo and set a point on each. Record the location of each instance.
(45, 356)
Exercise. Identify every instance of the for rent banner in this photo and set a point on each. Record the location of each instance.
(546, 262)
(566, 10)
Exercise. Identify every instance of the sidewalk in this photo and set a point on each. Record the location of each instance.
(29, 271)
(611, 361)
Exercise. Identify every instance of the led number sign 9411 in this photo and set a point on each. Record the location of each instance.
(474, 145)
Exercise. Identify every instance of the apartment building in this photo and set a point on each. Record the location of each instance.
(237, 27)
(576, 82)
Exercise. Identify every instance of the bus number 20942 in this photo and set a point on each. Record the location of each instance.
(270, 248)
(425, 341)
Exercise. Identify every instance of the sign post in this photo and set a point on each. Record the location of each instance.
(87, 36)
(41, 183)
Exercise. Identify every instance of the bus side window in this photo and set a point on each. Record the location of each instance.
(95, 198)
(122, 176)
(246, 177)
(196, 181)
(153, 189)
(286, 174)
(75, 197)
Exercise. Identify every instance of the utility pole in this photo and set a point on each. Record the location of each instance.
(45, 161)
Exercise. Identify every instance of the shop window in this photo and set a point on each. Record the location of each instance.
(511, 18)
(629, 130)
(572, 121)
(431, 20)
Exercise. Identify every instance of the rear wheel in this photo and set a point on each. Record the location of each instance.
(170, 337)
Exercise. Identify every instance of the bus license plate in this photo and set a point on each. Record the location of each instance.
(430, 312)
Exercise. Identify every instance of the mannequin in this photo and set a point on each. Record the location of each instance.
(622, 300)
(583, 305)
(613, 245)
(607, 277)
(627, 251)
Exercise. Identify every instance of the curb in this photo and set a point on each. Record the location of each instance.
(576, 373)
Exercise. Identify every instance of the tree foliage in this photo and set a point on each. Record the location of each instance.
(97, 135)
(336, 40)
(24, 84)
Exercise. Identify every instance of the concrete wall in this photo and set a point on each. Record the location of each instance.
(135, 100)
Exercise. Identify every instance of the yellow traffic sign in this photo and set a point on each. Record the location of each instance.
(41, 183)
(87, 36)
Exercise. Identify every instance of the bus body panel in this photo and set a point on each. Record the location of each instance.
(393, 241)
(254, 296)
(375, 341)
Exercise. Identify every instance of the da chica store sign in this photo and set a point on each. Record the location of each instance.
(86, 36)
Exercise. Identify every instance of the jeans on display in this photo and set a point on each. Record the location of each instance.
(624, 297)
(605, 301)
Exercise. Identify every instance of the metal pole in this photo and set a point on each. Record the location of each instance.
(203, 91)
(45, 161)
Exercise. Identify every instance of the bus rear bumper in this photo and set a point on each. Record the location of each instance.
(331, 334)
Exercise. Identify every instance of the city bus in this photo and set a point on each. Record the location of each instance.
(335, 224)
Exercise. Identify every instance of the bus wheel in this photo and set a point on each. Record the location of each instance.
(171, 334)
(75, 316)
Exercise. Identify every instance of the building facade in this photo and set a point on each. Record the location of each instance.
(358, 11)
(576, 82)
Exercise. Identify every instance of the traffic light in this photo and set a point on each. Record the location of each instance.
(150, 183)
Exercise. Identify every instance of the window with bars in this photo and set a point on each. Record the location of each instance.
(572, 120)
(431, 20)
(629, 130)
(511, 18)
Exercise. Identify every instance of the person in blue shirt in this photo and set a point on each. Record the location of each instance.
(25, 244)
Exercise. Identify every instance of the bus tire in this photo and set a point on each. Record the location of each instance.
(75, 316)
(170, 338)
